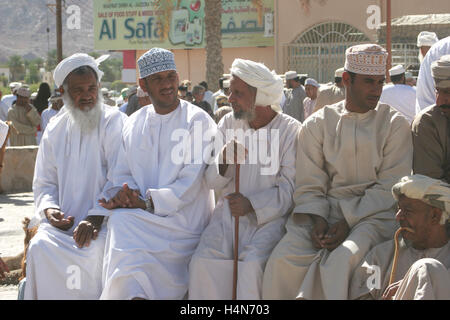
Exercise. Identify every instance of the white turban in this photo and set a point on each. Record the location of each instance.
(73, 62)
(440, 70)
(434, 192)
(367, 59)
(3, 132)
(426, 38)
(268, 84)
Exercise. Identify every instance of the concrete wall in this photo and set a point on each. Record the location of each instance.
(18, 169)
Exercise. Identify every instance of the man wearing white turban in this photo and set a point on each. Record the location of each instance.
(265, 190)
(349, 156)
(425, 95)
(425, 40)
(421, 261)
(77, 151)
(163, 204)
(430, 128)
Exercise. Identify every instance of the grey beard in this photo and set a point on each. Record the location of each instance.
(245, 115)
(86, 120)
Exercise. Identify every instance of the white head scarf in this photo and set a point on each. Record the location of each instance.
(426, 38)
(73, 62)
(434, 192)
(268, 84)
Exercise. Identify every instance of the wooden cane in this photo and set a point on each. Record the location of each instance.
(236, 238)
(394, 263)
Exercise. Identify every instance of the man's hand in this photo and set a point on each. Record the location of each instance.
(336, 234)
(87, 230)
(390, 291)
(319, 230)
(3, 269)
(124, 198)
(239, 205)
(56, 218)
(240, 154)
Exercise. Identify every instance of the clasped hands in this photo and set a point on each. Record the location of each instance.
(328, 237)
(124, 198)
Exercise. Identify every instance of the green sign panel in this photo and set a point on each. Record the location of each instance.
(179, 24)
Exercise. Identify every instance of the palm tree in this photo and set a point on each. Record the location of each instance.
(16, 67)
(213, 25)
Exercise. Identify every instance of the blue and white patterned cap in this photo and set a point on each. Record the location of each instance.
(155, 60)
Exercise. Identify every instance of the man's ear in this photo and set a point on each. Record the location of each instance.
(346, 79)
(61, 90)
(436, 215)
(143, 85)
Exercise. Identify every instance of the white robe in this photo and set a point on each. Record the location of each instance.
(402, 98)
(211, 267)
(426, 95)
(371, 278)
(3, 111)
(147, 254)
(3, 132)
(71, 170)
(347, 163)
(46, 115)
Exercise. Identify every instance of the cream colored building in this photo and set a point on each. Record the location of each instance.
(311, 36)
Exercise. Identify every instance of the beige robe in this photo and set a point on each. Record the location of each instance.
(346, 166)
(328, 96)
(431, 133)
(26, 124)
(424, 272)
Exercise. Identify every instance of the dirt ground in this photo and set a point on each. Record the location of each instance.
(13, 208)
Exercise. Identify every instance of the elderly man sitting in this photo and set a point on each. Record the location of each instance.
(422, 260)
(77, 151)
(266, 187)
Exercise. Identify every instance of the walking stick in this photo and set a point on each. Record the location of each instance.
(394, 263)
(236, 237)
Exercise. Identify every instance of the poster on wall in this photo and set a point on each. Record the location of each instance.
(179, 24)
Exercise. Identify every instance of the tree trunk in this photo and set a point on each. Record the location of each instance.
(213, 25)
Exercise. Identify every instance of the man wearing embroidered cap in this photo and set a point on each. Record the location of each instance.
(77, 151)
(349, 156)
(311, 88)
(430, 127)
(421, 270)
(399, 95)
(293, 106)
(265, 196)
(162, 205)
(328, 95)
(25, 119)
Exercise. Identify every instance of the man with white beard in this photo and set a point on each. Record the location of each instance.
(77, 151)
